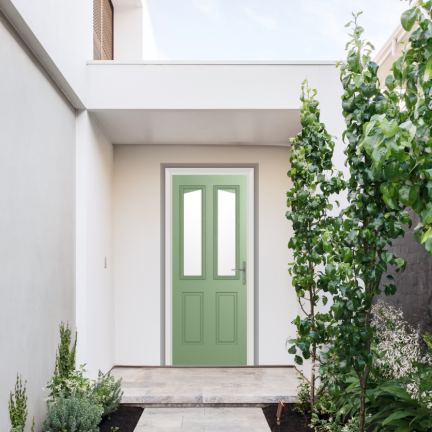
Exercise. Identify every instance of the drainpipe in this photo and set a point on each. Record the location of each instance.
(394, 47)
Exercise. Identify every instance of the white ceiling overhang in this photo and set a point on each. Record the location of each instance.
(250, 103)
(237, 127)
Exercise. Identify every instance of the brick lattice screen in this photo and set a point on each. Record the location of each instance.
(103, 30)
(414, 292)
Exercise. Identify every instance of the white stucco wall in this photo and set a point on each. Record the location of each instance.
(95, 289)
(64, 29)
(37, 223)
(133, 32)
(137, 246)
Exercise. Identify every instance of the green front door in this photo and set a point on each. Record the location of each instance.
(209, 298)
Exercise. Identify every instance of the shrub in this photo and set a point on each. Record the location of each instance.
(403, 355)
(326, 417)
(303, 391)
(108, 392)
(76, 384)
(72, 414)
(18, 407)
(65, 362)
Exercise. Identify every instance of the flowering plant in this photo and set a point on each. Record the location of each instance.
(404, 355)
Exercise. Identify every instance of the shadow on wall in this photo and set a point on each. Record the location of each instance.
(414, 286)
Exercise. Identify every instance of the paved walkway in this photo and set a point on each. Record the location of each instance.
(207, 386)
(202, 420)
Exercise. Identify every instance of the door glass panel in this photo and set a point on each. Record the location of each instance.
(192, 217)
(226, 232)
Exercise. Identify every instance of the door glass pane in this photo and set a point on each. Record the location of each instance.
(226, 232)
(192, 233)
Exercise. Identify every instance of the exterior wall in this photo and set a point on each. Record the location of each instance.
(138, 240)
(65, 31)
(95, 289)
(133, 32)
(414, 294)
(37, 222)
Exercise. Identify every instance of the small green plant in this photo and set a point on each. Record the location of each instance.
(108, 392)
(65, 362)
(326, 417)
(303, 391)
(18, 408)
(76, 384)
(72, 414)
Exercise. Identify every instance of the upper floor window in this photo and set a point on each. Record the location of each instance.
(103, 30)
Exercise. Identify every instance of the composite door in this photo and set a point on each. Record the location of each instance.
(209, 270)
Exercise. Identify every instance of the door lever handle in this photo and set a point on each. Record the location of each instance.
(242, 270)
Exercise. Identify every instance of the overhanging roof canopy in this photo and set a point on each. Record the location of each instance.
(255, 103)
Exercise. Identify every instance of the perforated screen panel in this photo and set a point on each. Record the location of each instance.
(103, 30)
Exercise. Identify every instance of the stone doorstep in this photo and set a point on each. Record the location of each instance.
(200, 401)
(202, 405)
(207, 387)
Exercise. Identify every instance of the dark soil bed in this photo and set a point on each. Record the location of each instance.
(125, 418)
(291, 420)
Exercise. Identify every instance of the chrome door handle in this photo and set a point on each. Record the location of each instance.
(242, 270)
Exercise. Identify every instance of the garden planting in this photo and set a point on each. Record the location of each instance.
(371, 371)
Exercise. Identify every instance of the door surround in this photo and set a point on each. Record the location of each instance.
(249, 172)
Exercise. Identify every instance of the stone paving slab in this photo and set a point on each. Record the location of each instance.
(148, 385)
(202, 420)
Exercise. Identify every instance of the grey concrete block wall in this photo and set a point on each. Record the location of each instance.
(37, 222)
(414, 294)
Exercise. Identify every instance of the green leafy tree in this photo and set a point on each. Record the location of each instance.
(309, 199)
(359, 258)
(409, 166)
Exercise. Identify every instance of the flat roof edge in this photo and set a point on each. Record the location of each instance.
(212, 62)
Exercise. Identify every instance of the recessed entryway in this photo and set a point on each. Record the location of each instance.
(209, 266)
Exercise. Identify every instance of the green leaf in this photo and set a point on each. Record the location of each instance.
(389, 82)
(392, 171)
(330, 271)
(404, 428)
(408, 194)
(292, 350)
(408, 18)
(347, 255)
(428, 245)
(379, 156)
(426, 235)
(352, 305)
(428, 71)
(398, 415)
(298, 360)
(373, 141)
(404, 217)
(354, 339)
(389, 128)
(354, 60)
(387, 256)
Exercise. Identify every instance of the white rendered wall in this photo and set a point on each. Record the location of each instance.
(137, 245)
(133, 32)
(64, 29)
(95, 289)
(37, 223)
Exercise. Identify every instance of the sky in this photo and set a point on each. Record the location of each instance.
(266, 29)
